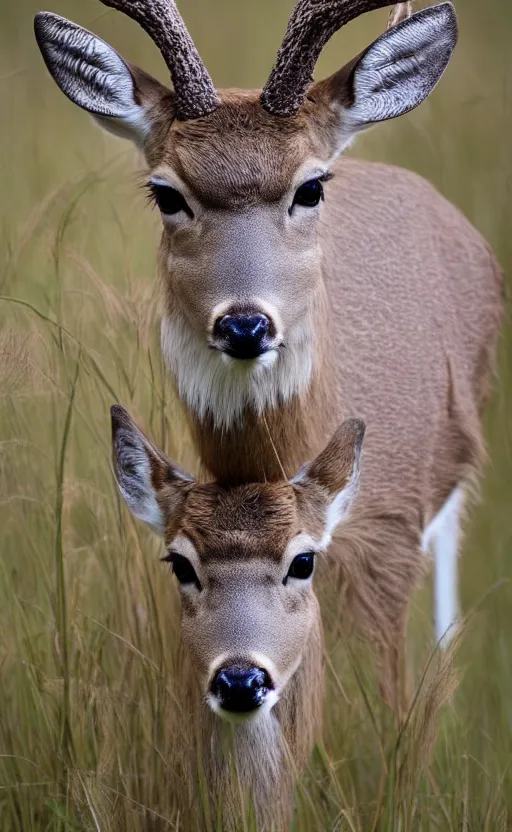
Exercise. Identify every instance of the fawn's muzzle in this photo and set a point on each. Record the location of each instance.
(241, 688)
(244, 336)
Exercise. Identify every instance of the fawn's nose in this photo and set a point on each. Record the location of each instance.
(243, 336)
(241, 688)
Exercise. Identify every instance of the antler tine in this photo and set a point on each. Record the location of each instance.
(400, 13)
(311, 25)
(195, 92)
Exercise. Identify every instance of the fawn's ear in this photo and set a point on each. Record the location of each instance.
(152, 486)
(333, 475)
(393, 75)
(93, 75)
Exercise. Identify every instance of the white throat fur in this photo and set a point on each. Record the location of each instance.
(214, 385)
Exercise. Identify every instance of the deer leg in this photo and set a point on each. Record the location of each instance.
(442, 536)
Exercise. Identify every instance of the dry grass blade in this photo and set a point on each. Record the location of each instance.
(61, 615)
(19, 367)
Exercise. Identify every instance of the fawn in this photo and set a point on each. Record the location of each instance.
(251, 630)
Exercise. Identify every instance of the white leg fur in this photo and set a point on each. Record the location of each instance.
(442, 536)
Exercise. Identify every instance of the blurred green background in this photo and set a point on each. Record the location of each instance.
(88, 627)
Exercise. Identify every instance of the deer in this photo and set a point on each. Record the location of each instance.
(303, 287)
(251, 681)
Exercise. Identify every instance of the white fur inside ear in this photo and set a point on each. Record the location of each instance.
(339, 509)
(91, 74)
(133, 472)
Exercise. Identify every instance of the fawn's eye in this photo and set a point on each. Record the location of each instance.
(301, 567)
(183, 569)
(169, 200)
(309, 194)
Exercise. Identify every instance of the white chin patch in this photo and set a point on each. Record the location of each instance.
(240, 718)
(215, 385)
(266, 359)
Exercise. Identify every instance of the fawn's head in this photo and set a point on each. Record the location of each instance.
(239, 176)
(243, 557)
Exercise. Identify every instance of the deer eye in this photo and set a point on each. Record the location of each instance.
(309, 194)
(183, 569)
(301, 567)
(169, 200)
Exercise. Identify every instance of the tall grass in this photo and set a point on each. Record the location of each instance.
(89, 619)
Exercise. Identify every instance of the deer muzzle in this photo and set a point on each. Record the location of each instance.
(244, 335)
(241, 689)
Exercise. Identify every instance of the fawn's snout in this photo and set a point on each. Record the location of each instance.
(241, 688)
(244, 334)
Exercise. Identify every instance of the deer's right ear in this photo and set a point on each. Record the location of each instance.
(94, 76)
(151, 485)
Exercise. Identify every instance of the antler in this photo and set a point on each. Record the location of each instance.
(400, 13)
(311, 25)
(195, 92)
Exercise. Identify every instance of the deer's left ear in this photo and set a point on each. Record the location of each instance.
(152, 486)
(395, 74)
(332, 478)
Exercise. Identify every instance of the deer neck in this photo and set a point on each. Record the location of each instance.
(252, 422)
(252, 766)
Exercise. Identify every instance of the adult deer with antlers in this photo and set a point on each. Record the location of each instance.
(300, 288)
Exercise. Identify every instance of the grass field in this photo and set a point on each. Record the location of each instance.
(88, 620)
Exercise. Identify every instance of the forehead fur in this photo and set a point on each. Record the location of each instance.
(239, 154)
(247, 521)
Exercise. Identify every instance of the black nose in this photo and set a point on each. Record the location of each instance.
(241, 687)
(244, 336)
